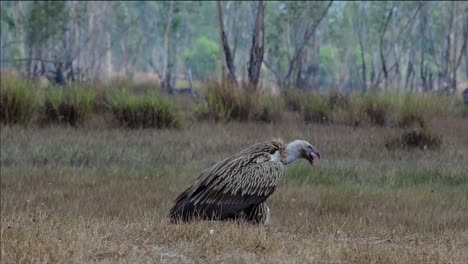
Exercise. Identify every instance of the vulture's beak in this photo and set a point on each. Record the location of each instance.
(313, 155)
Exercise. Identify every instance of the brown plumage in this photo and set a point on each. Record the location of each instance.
(237, 187)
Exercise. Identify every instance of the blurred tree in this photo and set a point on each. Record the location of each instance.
(416, 45)
(203, 58)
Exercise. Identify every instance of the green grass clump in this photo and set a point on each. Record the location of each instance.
(136, 86)
(72, 105)
(269, 109)
(375, 109)
(417, 138)
(414, 177)
(464, 111)
(416, 109)
(338, 100)
(17, 100)
(294, 99)
(315, 108)
(150, 111)
(223, 102)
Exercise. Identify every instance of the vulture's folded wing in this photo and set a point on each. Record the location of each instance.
(238, 182)
(232, 185)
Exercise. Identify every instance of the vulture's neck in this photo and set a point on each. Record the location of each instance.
(293, 152)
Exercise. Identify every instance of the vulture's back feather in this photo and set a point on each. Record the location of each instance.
(233, 185)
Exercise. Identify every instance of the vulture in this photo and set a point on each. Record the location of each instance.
(238, 186)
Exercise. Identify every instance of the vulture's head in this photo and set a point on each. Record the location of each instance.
(301, 149)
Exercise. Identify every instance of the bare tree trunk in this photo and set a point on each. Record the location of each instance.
(18, 12)
(276, 74)
(168, 47)
(448, 48)
(29, 64)
(227, 51)
(410, 68)
(93, 30)
(309, 32)
(107, 71)
(236, 30)
(465, 34)
(396, 54)
(257, 49)
(137, 54)
(382, 57)
(422, 37)
(365, 35)
(457, 59)
(359, 30)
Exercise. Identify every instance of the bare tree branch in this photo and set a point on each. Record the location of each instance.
(307, 35)
(225, 44)
(257, 49)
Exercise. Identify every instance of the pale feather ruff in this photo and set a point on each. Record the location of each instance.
(276, 157)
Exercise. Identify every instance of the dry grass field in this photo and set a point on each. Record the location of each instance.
(100, 195)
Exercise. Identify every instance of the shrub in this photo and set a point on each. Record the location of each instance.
(203, 58)
(375, 109)
(411, 113)
(72, 105)
(348, 111)
(464, 111)
(337, 99)
(227, 103)
(151, 111)
(17, 100)
(218, 103)
(315, 109)
(269, 109)
(222, 102)
(422, 138)
(417, 108)
(294, 99)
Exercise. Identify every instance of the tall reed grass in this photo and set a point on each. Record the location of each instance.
(72, 105)
(17, 100)
(144, 105)
(153, 110)
(227, 103)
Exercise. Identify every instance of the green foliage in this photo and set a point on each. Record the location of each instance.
(356, 66)
(72, 105)
(17, 100)
(328, 64)
(6, 18)
(150, 111)
(202, 58)
(46, 19)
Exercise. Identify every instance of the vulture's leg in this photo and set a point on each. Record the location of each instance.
(258, 214)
